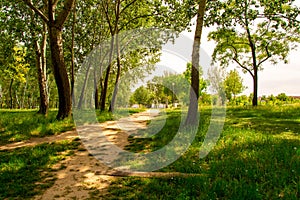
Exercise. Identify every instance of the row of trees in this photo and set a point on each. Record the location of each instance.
(43, 42)
(57, 36)
(171, 88)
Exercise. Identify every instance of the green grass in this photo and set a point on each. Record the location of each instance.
(19, 125)
(256, 157)
(23, 171)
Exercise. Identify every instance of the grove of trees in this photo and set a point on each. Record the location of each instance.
(44, 43)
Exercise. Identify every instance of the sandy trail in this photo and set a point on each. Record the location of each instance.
(82, 174)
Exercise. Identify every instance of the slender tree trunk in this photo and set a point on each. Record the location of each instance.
(10, 93)
(116, 88)
(105, 85)
(42, 77)
(22, 104)
(192, 117)
(96, 96)
(255, 88)
(80, 102)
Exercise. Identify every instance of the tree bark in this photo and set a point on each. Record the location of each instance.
(40, 52)
(60, 73)
(87, 74)
(114, 96)
(105, 85)
(192, 117)
(96, 91)
(10, 93)
(255, 88)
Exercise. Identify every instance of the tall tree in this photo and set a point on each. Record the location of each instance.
(251, 32)
(192, 117)
(55, 19)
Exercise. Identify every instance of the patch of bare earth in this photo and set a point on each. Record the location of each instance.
(81, 175)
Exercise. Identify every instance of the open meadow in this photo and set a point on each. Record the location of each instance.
(256, 157)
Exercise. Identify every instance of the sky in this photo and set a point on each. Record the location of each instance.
(274, 79)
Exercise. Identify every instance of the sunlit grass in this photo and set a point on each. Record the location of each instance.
(19, 125)
(256, 157)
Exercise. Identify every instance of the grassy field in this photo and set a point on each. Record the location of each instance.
(20, 125)
(256, 157)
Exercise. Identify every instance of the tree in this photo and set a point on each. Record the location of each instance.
(216, 81)
(141, 95)
(282, 97)
(55, 19)
(192, 117)
(249, 33)
(233, 84)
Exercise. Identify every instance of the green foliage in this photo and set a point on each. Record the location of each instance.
(233, 84)
(140, 96)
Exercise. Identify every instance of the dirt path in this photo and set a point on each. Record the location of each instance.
(69, 135)
(81, 175)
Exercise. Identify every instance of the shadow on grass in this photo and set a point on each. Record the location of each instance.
(22, 125)
(247, 162)
(22, 171)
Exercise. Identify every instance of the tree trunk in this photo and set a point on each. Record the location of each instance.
(105, 85)
(96, 96)
(60, 73)
(192, 117)
(114, 96)
(42, 77)
(10, 93)
(87, 74)
(22, 104)
(255, 88)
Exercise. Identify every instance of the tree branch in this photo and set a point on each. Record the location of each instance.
(243, 67)
(107, 18)
(131, 20)
(63, 15)
(36, 10)
(55, 4)
(235, 58)
(265, 59)
(127, 6)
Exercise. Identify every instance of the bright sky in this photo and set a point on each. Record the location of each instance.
(272, 80)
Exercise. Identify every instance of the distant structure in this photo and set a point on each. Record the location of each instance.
(295, 97)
